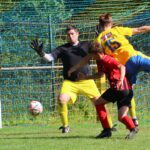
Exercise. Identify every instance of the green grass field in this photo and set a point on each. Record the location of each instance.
(81, 137)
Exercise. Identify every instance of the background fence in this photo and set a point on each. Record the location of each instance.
(22, 21)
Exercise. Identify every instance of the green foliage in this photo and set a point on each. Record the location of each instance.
(6, 5)
(35, 10)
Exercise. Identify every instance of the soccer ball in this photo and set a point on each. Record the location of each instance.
(35, 108)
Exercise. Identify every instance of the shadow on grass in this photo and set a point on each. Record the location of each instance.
(63, 138)
(49, 137)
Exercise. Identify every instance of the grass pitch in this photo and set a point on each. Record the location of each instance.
(81, 137)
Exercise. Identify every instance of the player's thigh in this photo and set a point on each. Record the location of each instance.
(110, 95)
(69, 89)
(89, 89)
(144, 63)
(143, 55)
(101, 101)
(124, 98)
(64, 98)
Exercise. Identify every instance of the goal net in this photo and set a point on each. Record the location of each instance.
(24, 76)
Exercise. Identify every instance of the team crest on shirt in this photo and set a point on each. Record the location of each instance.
(106, 36)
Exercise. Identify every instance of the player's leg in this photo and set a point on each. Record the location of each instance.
(93, 93)
(102, 86)
(123, 103)
(132, 110)
(127, 121)
(63, 111)
(110, 95)
(103, 117)
(144, 63)
(136, 64)
(100, 107)
(67, 95)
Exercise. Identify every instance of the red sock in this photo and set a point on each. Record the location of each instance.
(128, 122)
(102, 115)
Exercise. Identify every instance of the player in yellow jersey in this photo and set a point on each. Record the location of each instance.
(115, 44)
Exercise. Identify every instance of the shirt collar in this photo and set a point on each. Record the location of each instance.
(75, 44)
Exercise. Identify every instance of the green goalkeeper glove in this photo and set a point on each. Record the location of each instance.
(38, 47)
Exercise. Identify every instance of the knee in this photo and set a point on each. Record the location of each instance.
(99, 101)
(120, 117)
(95, 99)
(63, 99)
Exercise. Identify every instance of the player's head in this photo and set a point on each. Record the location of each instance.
(105, 20)
(72, 34)
(96, 47)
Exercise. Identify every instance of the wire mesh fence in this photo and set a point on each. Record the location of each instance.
(24, 76)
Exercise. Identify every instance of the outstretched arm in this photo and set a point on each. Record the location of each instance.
(38, 47)
(82, 76)
(48, 57)
(142, 29)
(83, 62)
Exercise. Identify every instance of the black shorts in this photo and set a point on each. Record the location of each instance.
(123, 98)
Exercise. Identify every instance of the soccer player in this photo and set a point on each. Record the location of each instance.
(132, 108)
(120, 90)
(70, 53)
(115, 44)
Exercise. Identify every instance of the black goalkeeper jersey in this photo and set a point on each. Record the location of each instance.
(70, 56)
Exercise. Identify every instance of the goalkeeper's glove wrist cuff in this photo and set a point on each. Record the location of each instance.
(42, 54)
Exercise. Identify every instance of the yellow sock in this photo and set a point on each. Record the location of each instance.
(103, 87)
(110, 121)
(132, 109)
(103, 84)
(63, 111)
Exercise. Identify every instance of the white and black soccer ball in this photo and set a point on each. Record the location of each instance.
(35, 108)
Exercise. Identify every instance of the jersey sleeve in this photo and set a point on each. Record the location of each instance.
(125, 31)
(112, 62)
(56, 53)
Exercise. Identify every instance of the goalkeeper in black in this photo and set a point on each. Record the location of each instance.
(70, 54)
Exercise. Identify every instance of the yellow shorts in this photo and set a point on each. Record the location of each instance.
(102, 84)
(84, 87)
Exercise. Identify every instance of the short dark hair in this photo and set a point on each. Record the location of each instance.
(105, 19)
(95, 47)
(70, 27)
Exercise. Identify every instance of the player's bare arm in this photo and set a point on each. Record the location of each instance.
(83, 62)
(94, 76)
(142, 29)
(122, 75)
